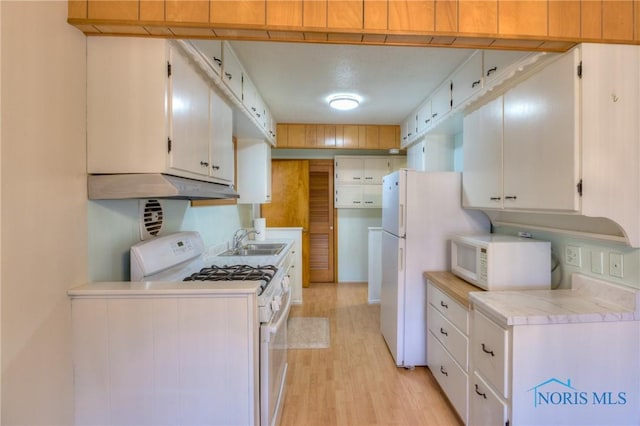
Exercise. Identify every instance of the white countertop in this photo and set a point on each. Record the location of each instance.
(589, 300)
(156, 288)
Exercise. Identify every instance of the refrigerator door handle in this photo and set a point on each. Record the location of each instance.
(400, 259)
(401, 214)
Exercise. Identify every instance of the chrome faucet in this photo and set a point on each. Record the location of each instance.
(240, 235)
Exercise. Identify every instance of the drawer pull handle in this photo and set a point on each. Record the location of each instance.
(443, 371)
(487, 351)
(443, 332)
(484, 395)
(444, 305)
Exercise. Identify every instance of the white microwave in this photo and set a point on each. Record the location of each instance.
(502, 262)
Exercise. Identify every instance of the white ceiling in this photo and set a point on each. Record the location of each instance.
(295, 79)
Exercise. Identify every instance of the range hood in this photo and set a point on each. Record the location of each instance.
(154, 185)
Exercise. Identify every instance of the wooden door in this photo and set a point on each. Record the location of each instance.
(289, 205)
(321, 233)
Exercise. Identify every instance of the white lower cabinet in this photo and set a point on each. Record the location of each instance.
(570, 373)
(162, 359)
(485, 407)
(447, 346)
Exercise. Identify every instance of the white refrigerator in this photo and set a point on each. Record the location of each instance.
(421, 211)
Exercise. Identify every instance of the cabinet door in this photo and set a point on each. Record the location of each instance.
(541, 145)
(441, 102)
(231, 71)
(372, 196)
(415, 157)
(189, 118)
(375, 169)
(349, 170)
(211, 50)
(423, 117)
(389, 137)
(349, 196)
(482, 154)
(467, 80)
(221, 149)
(249, 96)
(485, 407)
(254, 171)
(496, 63)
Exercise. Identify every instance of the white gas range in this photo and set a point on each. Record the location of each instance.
(181, 257)
(162, 350)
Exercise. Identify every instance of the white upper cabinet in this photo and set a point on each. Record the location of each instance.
(570, 142)
(231, 71)
(423, 117)
(541, 139)
(349, 170)
(218, 60)
(375, 169)
(211, 50)
(482, 153)
(358, 179)
(189, 111)
(148, 111)
(361, 170)
(467, 80)
(442, 111)
(222, 154)
(441, 102)
(521, 150)
(497, 62)
(254, 171)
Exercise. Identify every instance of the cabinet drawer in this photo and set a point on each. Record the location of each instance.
(451, 338)
(485, 407)
(489, 347)
(450, 309)
(449, 375)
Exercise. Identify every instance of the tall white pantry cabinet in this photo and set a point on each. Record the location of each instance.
(150, 111)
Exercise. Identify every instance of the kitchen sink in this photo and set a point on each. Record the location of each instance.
(256, 249)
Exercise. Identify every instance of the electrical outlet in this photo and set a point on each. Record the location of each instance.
(597, 262)
(572, 256)
(616, 268)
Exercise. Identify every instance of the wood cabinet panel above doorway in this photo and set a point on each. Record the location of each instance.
(347, 136)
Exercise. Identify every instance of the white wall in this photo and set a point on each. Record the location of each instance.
(353, 235)
(114, 228)
(562, 275)
(43, 198)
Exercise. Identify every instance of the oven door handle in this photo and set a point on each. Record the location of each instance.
(283, 315)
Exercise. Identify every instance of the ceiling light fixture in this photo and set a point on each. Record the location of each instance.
(343, 102)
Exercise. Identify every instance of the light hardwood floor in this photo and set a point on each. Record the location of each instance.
(355, 381)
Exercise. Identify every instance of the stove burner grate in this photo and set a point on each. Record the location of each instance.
(235, 273)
